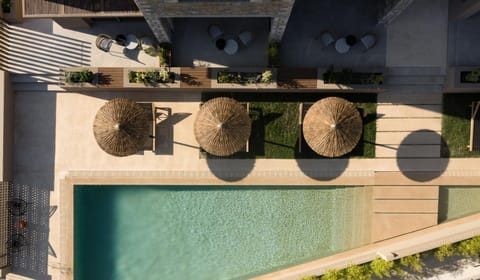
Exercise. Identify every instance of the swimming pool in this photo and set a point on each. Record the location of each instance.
(456, 202)
(221, 232)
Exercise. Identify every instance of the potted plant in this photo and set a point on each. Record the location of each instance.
(151, 77)
(266, 76)
(473, 76)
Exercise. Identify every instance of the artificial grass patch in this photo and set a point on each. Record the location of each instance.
(275, 123)
(456, 124)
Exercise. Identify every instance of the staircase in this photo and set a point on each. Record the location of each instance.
(409, 114)
(34, 58)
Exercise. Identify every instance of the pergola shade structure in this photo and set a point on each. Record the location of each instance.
(332, 127)
(121, 127)
(222, 126)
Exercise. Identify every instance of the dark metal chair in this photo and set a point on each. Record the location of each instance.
(104, 42)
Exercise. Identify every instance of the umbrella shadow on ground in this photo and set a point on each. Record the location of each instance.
(422, 169)
(230, 170)
(164, 129)
(323, 170)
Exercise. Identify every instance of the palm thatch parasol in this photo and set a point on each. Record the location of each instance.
(121, 127)
(332, 127)
(222, 126)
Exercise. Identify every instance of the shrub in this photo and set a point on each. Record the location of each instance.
(376, 79)
(333, 274)
(381, 267)
(473, 77)
(358, 272)
(83, 76)
(444, 251)
(273, 52)
(164, 53)
(309, 278)
(239, 77)
(151, 77)
(413, 262)
(469, 247)
(267, 76)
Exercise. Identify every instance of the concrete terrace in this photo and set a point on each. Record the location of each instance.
(54, 127)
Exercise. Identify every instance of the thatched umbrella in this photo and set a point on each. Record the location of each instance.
(121, 127)
(222, 126)
(332, 127)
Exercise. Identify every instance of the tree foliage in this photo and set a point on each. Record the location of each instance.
(358, 272)
(333, 274)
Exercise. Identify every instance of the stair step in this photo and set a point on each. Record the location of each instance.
(413, 71)
(407, 151)
(405, 206)
(405, 111)
(386, 124)
(414, 80)
(407, 138)
(405, 192)
(409, 98)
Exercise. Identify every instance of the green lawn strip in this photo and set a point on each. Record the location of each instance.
(275, 128)
(456, 125)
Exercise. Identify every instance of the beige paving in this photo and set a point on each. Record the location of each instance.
(412, 205)
(419, 138)
(417, 111)
(385, 124)
(389, 225)
(407, 151)
(405, 192)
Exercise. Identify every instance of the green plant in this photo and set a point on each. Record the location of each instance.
(444, 251)
(6, 6)
(273, 53)
(83, 76)
(413, 262)
(309, 278)
(358, 272)
(376, 79)
(164, 52)
(151, 77)
(333, 274)
(469, 247)
(382, 268)
(266, 76)
(473, 76)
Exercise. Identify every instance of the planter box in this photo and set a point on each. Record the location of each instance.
(215, 84)
(128, 84)
(359, 75)
(454, 80)
(64, 84)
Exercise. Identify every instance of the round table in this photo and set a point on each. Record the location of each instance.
(131, 42)
(231, 47)
(341, 45)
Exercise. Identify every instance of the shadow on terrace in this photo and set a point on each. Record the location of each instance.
(309, 18)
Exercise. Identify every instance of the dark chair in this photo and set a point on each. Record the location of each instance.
(104, 42)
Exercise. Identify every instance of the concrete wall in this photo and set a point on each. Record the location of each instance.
(6, 127)
(462, 9)
(153, 10)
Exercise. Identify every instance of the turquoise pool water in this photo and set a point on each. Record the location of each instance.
(222, 232)
(457, 202)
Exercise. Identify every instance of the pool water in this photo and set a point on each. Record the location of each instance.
(458, 202)
(221, 232)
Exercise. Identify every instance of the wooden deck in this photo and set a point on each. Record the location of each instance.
(110, 77)
(195, 77)
(302, 78)
(37, 8)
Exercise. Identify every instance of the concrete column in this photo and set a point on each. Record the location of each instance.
(279, 21)
(159, 26)
(392, 9)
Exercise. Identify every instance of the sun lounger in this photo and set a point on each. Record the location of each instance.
(475, 127)
(150, 143)
(302, 110)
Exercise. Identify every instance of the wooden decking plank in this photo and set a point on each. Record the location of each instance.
(195, 77)
(110, 77)
(405, 206)
(297, 78)
(405, 192)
